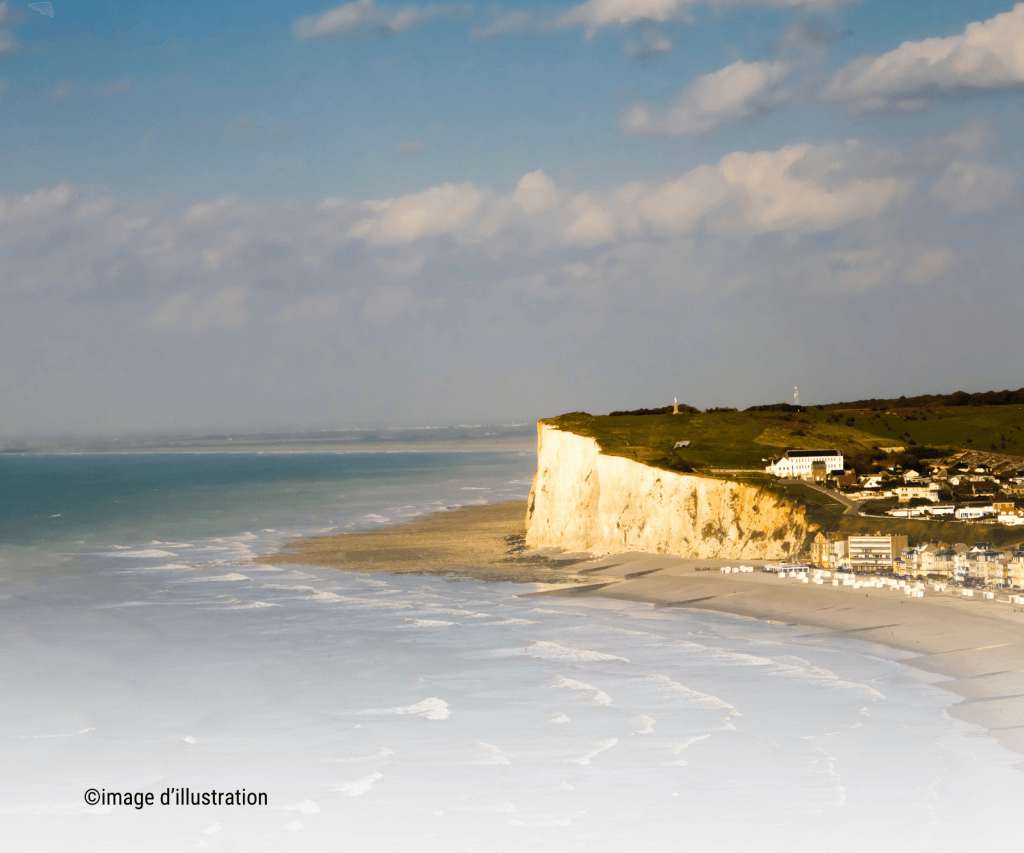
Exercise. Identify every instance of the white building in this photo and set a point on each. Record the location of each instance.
(800, 463)
(966, 513)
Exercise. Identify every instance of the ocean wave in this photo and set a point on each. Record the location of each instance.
(687, 743)
(167, 567)
(554, 651)
(597, 750)
(239, 604)
(646, 723)
(62, 735)
(787, 667)
(432, 708)
(559, 718)
(494, 755)
(359, 786)
(379, 752)
(702, 700)
(144, 554)
(234, 576)
(427, 623)
(597, 696)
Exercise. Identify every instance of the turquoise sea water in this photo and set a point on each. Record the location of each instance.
(141, 652)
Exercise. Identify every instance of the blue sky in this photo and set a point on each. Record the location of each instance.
(258, 214)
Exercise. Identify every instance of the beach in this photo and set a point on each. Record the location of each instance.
(977, 644)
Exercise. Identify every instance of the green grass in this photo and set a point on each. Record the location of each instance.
(993, 429)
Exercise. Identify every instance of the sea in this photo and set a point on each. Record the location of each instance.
(147, 663)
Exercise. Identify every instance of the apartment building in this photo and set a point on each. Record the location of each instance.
(875, 553)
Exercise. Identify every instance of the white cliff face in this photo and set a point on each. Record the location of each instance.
(584, 501)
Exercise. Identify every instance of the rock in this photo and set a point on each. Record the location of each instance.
(582, 500)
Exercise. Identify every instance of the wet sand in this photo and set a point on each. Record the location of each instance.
(978, 644)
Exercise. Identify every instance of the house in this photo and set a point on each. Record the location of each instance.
(1015, 567)
(800, 463)
(906, 493)
(827, 550)
(970, 513)
(846, 481)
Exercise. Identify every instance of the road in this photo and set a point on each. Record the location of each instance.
(852, 507)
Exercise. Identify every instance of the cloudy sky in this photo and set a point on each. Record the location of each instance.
(230, 215)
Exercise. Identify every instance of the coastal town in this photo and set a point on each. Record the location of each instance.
(966, 490)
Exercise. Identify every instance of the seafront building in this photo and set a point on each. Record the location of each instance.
(875, 553)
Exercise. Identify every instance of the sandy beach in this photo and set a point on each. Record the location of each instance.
(978, 644)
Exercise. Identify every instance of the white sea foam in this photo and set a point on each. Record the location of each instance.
(432, 708)
(646, 724)
(494, 755)
(62, 734)
(686, 743)
(380, 519)
(234, 576)
(241, 604)
(597, 696)
(787, 666)
(379, 752)
(701, 700)
(306, 807)
(509, 620)
(426, 623)
(561, 821)
(145, 553)
(560, 718)
(359, 786)
(597, 750)
(554, 651)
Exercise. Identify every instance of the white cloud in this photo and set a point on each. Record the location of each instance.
(986, 57)
(594, 14)
(587, 222)
(792, 189)
(430, 213)
(535, 192)
(967, 187)
(188, 313)
(364, 18)
(929, 265)
(726, 96)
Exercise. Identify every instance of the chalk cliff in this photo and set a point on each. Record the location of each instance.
(583, 500)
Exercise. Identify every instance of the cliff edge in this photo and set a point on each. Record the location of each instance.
(583, 500)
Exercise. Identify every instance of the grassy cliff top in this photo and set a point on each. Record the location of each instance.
(730, 439)
(732, 445)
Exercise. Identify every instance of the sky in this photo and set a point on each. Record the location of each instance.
(237, 216)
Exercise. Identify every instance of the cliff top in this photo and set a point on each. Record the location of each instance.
(729, 439)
